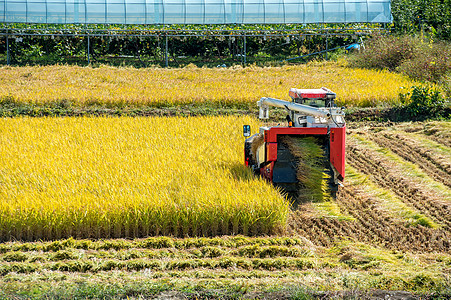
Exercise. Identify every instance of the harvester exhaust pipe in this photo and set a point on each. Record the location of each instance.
(265, 102)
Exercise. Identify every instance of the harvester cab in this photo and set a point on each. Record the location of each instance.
(308, 154)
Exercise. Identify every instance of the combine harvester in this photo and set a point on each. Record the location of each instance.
(276, 153)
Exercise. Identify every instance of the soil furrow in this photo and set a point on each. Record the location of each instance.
(387, 231)
(439, 170)
(370, 226)
(383, 173)
(400, 187)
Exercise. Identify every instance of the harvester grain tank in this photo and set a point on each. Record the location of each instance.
(311, 113)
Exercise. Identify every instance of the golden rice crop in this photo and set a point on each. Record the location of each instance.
(124, 177)
(221, 86)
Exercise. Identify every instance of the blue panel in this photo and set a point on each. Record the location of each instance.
(56, 12)
(313, 11)
(2, 11)
(195, 11)
(361, 12)
(275, 11)
(216, 13)
(95, 13)
(79, 12)
(115, 13)
(136, 12)
(234, 11)
(37, 12)
(153, 13)
(174, 13)
(377, 11)
(254, 12)
(294, 13)
(16, 12)
(334, 11)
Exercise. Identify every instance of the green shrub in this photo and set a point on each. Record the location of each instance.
(422, 103)
(431, 16)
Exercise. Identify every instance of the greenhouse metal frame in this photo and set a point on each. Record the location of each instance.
(152, 12)
(185, 18)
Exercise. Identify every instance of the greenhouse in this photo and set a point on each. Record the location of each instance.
(153, 12)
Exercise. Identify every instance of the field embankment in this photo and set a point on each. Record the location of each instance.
(24, 90)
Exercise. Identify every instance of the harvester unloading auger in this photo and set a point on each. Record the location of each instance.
(309, 152)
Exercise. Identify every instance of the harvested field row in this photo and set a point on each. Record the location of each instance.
(163, 242)
(440, 132)
(386, 174)
(379, 228)
(391, 203)
(436, 166)
(154, 265)
(371, 226)
(260, 261)
(371, 219)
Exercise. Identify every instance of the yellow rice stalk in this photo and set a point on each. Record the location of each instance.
(131, 177)
(257, 143)
(158, 87)
(310, 157)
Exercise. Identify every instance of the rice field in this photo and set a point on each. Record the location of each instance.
(157, 87)
(387, 233)
(122, 207)
(131, 177)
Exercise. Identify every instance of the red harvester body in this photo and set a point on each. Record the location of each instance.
(311, 112)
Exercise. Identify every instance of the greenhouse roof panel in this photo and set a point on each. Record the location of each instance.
(194, 11)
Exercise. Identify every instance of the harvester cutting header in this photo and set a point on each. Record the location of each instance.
(281, 154)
